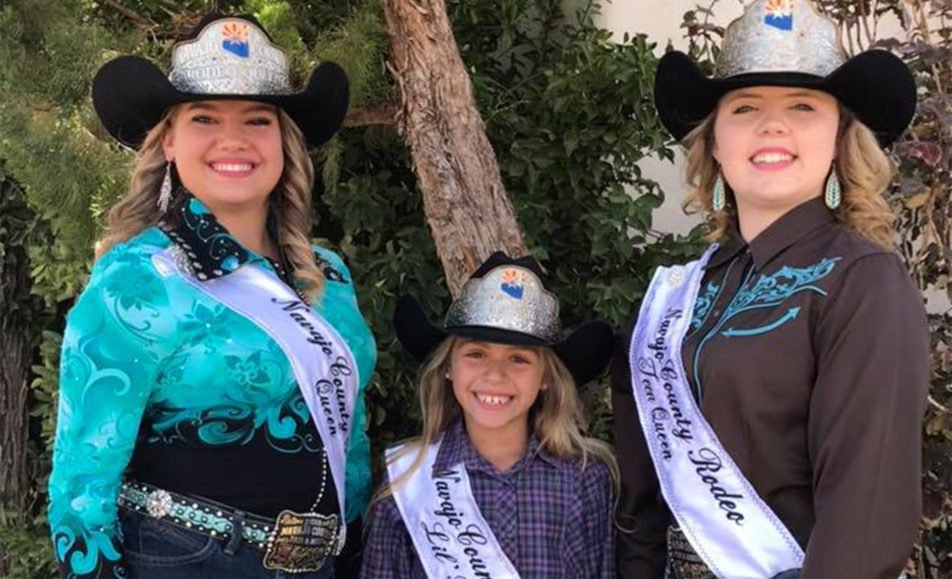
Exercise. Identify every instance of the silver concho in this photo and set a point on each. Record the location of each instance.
(507, 298)
(158, 503)
(781, 36)
(230, 56)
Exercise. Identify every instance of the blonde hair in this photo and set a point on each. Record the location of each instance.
(290, 201)
(864, 170)
(556, 417)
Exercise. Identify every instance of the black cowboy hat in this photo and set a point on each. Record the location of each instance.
(130, 95)
(585, 351)
(875, 85)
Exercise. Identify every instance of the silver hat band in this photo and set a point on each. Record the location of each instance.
(508, 298)
(230, 56)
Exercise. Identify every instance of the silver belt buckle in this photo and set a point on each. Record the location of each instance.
(302, 542)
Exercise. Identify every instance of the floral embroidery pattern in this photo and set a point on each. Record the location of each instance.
(702, 306)
(767, 291)
(770, 290)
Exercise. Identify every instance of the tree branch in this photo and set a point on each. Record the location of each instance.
(380, 113)
(135, 17)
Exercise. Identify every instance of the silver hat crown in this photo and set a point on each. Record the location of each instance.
(230, 56)
(781, 36)
(509, 298)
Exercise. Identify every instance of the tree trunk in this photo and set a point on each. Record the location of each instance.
(464, 200)
(15, 350)
(15, 359)
(17, 340)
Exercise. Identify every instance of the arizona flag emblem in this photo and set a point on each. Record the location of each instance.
(513, 283)
(235, 38)
(779, 14)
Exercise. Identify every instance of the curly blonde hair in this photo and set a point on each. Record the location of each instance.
(864, 170)
(290, 201)
(556, 417)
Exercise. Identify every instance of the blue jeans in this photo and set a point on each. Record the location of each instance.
(157, 549)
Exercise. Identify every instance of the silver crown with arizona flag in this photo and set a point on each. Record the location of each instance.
(230, 56)
(507, 298)
(778, 36)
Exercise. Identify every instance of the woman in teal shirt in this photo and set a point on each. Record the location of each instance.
(211, 419)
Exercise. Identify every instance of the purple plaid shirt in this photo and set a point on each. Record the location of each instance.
(551, 518)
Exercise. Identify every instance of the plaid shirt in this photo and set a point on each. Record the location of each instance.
(551, 518)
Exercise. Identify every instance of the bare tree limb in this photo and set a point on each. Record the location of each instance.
(382, 113)
(133, 16)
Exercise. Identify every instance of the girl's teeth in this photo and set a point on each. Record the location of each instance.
(493, 400)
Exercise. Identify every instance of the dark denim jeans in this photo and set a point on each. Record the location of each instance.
(157, 549)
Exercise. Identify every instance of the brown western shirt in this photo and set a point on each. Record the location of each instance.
(809, 353)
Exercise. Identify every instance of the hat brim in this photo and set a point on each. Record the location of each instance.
(130, 95)
(586, 351)
(875, 85)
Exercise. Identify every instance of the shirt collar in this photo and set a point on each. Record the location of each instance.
(792, 226)
(456, 448)
(212, 251)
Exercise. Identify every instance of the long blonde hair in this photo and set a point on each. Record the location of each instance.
(864, 170)
(556, 417)
(290, 201)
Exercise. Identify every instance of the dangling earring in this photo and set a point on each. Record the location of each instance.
(165, 190)
(834, 191)
(719, 199)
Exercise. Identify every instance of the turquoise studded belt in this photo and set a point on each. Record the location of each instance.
(195, 514)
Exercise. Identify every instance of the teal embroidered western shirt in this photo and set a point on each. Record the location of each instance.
(162, 384)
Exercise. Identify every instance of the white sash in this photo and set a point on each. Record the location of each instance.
(451, 537)
(729, 525)
(323, 364)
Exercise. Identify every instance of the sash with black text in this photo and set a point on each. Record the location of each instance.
(732, 529)
(451, 537)
(322, 363)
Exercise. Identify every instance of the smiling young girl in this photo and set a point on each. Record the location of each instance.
(501, 482)
(794, 354)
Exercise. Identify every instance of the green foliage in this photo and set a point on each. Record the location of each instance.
(278, 18)
(357, 43)
(27, 550)
(49, 137)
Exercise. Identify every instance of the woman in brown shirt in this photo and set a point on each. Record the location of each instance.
(807, 351)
